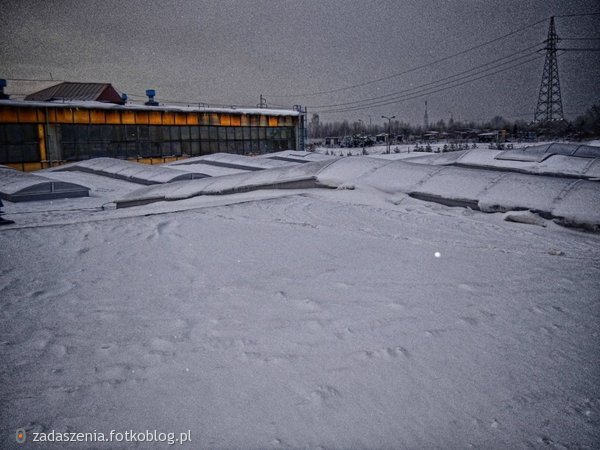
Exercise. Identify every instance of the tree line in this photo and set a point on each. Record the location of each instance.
(585, 126)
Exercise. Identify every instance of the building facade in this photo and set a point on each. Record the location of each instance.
(36, 135)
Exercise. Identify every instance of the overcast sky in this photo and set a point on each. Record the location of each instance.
(229, 52)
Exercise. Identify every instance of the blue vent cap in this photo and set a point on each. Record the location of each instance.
(150, 92)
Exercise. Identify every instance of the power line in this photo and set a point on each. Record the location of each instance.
(412, 97)
(32, 79)
(579, 15)
(428, 90)
(446, 58)
(439, 80)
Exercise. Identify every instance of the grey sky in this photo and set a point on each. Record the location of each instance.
(225, 52)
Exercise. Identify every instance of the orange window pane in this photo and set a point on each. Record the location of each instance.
(225, 119)
(244, 120)
(141, 117)
(97, 116)
(180, 118)
(272, 121)
(113, 117)
(27, 115)
(168, 118)
(64, 115)
(235, 120)
(128, 117)
(192, 119)
(155, 118)
(81, 116)
(8, 114)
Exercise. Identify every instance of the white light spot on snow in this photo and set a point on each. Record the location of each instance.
(437, 254)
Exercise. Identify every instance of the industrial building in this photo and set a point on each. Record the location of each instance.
(78, 121)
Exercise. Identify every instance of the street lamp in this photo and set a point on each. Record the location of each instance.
(389, 119)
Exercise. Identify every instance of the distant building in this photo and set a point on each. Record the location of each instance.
(332, 141)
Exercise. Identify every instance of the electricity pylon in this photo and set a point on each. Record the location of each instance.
(549, 104)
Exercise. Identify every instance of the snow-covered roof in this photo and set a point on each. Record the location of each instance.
(535, 163)
(539, 153)
(17, 186)
(130, 171)
(231, 161)
(486, 190)
(142, 107)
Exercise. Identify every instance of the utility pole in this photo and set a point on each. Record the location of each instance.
(549, 104)
(389, 119)
(426, 118)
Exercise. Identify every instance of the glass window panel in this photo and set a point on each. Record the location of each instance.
(154, 133)
(81, 133)
(222, 133)
(239, 133)
(246, 131)
(175, 135)
(230, 133)
(165, 149)
(67, 133)
(117, 133)
(143, 132)
(204, 133)
(214, 133)
(186, 148)
(29, 133)
(69, 151)
(194, 148)
(204, 148)
(185, 133)
(96, 132)
(194, 133)
(132, 149)
(131, 132)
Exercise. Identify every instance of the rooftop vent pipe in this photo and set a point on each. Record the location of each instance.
(151, 93)
(3, 96)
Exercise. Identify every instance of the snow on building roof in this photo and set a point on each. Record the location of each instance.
(130, 171)
(17, 186)
(142, 107)
(296, 156)
(232, 161)
(554, 164)
(489, 191)
(539, 153)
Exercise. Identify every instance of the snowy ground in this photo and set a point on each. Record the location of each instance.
(316, 318)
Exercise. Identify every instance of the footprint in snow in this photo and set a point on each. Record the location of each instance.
(386, 353)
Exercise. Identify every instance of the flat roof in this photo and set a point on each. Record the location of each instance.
(141, 107)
